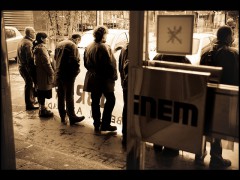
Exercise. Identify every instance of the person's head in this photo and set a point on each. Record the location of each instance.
(100, 34)
(76, 38)
(41, 37)
(231, 23)
(225, 35)
(30, 32)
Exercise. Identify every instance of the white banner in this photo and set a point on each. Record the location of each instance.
(82, 101)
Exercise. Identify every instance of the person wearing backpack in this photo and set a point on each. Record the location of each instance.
(227, 57)
(123, 70)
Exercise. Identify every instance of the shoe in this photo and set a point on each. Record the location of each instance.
(170, 152)
(31, 107)
(219, 163)
(76, 119)
(199, 159)
(45, 113)
(157, 148)
(109, 128)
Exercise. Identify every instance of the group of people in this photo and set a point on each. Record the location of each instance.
(38, 73)
(41, 75)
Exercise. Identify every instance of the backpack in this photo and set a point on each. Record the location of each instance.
(209, 56)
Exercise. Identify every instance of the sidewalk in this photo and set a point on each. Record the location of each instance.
(46, 144)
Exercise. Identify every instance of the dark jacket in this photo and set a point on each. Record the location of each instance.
(25, 55)
(24, 52)
(228, 58)
(67, 59)
(45, 72)
(101, 65)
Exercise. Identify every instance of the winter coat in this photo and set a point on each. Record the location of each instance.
(228, 58)
(45, 72)
(25, 56)
(67, 59)
(24, 52)
(102, 69)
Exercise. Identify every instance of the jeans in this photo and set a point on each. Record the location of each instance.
(108, 108)
(66, 94)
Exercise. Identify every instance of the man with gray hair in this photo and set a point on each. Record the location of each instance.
(26, 67)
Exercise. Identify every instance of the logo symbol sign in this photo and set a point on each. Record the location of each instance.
(173, 34)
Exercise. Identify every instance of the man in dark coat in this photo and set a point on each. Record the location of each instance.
(26, 66)
(226, 57)
(100, 78)
(67, 68)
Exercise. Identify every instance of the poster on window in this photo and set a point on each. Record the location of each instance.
(175, 34)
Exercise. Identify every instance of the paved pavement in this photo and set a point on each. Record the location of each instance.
(46, 144)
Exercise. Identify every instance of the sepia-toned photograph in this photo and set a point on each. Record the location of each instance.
(119, 90)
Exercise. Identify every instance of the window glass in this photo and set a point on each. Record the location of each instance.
(195, 47)
(109, 39)
(121, 40)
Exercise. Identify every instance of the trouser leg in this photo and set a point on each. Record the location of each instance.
(216, 148)
(108, 108)
(61, 99)
(96, 113)
(28, 90)
(41, 101)
(70, 98)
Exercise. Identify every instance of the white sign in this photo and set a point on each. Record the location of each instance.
(169, 107)
(175, 34)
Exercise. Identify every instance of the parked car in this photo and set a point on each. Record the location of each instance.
(13, 37)
(116, 38)
(201, 41)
